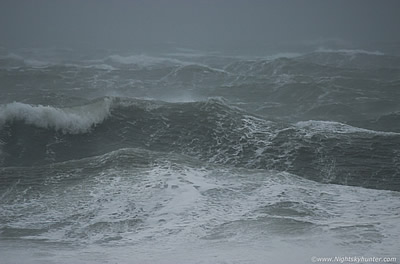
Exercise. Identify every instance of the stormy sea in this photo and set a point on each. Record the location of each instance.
(187, 156)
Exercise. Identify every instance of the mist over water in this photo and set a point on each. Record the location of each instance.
(199, 132)
(253, 26)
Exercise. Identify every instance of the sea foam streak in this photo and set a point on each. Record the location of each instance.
(142, 60)
(68, 120)
(351, 51)
(315, 126)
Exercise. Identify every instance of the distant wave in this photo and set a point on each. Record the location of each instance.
(187, 72)
(351, 51)
(356, 59)
(142, 60)
(13, 60)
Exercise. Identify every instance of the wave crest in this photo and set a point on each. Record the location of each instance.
(72, 120)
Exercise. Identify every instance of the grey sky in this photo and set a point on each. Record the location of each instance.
(190, 23)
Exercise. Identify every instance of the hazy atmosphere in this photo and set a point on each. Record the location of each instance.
(224, 24)
(199, 132)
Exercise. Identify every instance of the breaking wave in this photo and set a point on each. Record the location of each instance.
(68, 120)
(211, 130)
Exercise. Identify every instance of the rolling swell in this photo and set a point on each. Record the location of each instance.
(211, 130)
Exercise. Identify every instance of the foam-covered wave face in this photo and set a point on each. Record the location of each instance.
(115, 199)
(135, 197)
(68, 120)
(329, 127)
(196, 73)
(278, 67)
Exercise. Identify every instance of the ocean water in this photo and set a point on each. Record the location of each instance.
(196, 157)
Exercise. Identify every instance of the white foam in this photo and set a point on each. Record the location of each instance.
(36, 63)
(336, 127)
(188, 213)
(351, 51)
(204, 69)
(287, 55)
(102, 66)
(68, 120)
(98, 65)
(187, 54)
